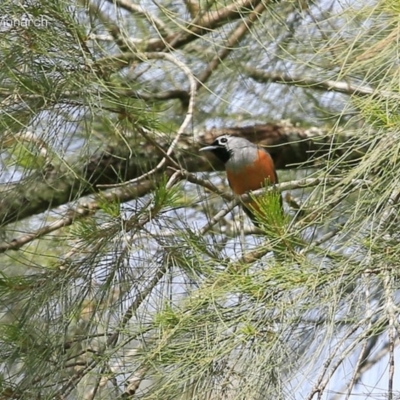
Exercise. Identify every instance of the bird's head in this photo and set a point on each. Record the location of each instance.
(225, 146)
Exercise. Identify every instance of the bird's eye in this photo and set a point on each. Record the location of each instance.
(223, 140)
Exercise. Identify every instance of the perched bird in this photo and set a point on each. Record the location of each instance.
(248, 167)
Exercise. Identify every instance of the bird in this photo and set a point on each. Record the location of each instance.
(248, 167)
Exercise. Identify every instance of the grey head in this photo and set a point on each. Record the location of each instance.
(233, 151)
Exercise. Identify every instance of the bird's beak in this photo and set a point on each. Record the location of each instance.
(209, 148)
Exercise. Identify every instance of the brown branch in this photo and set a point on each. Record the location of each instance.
(123, 194)
(182, 95)
(271, 77)
(203, 25)
(291, 146)
(84, 209)
(288, 145)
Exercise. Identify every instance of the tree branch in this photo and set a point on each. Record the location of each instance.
(325, 85)
(84, 209)
(289, 145)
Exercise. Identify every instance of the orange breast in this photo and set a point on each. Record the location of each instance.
(254, 176)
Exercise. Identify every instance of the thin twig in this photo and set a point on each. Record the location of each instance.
(217, 217)
(339, 355)
(205, 183)
(143, 132)
(389, 309)
(363, 352)
(279, 187)
(322, 239)
(390, 211)
(388, 215)
(133, 191)
(378, 357)
(185, 123)
(326, 85)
